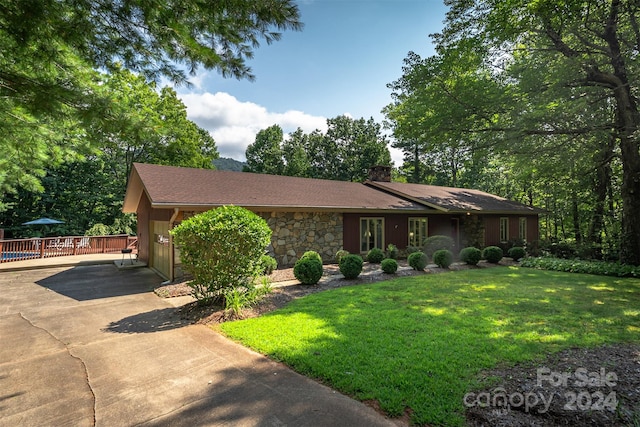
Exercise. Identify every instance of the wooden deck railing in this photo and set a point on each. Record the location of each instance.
(24, 249)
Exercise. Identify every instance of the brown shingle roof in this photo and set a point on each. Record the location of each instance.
(451, 199)
(170, 186)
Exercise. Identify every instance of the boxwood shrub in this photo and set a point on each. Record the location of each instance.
(308, 270)
(470, 255)
(492, 254)
(268, 263)
(417, 260)
(389, 265)
(517, 253)
(312, 255)
(375, 256)
(443, 258)
(341, 253)
(351, 266)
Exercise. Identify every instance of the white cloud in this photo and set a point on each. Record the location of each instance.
(233, 124)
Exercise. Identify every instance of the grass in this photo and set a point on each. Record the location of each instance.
(418, 343)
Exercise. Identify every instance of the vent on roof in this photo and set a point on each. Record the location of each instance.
(380, 173)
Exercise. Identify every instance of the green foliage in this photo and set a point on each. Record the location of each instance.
(392, 251)
(389, 265)
(340, 254)
(470, 255)
(412, 249)
(436, 243)
(492, 254)
(375, 256)
(345, 152)
(308, 270)
(417, 260)
(49, 99)
(98, 230)
(265, 155)
(600, 268)
(312, 255)
(236, 299)
(517, 253)
(351, 266)
(268, 264)
(222, 249)
(443, 258)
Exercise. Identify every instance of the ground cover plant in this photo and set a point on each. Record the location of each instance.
(432, 335)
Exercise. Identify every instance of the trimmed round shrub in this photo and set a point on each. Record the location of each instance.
(443, 258)
(470, 255)
(389, 265)
(308, 270)
(492, 254)
(351, 266)
(392, 251)
(268, 263)
(436, 243)
(312, 255)
(517, 253)
(341, 253)
(375, 256)
(417, 260)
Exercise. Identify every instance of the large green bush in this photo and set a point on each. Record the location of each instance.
(517, 253)
(443, 258)
(492, 254)
(436, 243)
(470, 255)
(389, 265)
(351, 266)
(375, 256)
(308, 270)
(587, 267)
(222, 249)
(417, 260)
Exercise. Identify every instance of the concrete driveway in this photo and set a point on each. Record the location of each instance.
(91, 345)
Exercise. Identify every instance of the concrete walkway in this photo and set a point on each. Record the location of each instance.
(91, 345)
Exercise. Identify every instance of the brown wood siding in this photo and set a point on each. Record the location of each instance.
(491, 230)
(143, 212)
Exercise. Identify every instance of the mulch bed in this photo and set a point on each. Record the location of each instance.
(570, 403)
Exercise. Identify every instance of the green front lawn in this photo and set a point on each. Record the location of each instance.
(418, 343)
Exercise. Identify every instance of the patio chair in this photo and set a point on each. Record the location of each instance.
(83, 243)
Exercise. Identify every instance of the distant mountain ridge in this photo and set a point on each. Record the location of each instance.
(227, 164)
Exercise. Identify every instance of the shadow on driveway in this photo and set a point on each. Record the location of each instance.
(94, 282)
(152, 321)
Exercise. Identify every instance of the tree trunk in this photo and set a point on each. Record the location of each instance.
(576, 219)
(601, 188)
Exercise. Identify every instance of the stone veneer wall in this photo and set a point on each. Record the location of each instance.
(294, 233)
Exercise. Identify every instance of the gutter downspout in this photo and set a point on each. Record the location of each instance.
(171, 248)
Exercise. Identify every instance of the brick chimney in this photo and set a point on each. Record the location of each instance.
(380, 173)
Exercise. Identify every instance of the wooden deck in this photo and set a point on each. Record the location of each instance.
(25, 249)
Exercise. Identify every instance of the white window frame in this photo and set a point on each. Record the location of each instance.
(504, 229)
(522, 228)
(418, 231)
(367, 224)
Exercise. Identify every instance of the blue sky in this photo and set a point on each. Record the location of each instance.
(340, 63)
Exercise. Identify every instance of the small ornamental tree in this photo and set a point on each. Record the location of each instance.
(222, 249)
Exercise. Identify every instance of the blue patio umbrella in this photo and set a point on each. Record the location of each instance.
(43, 221)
